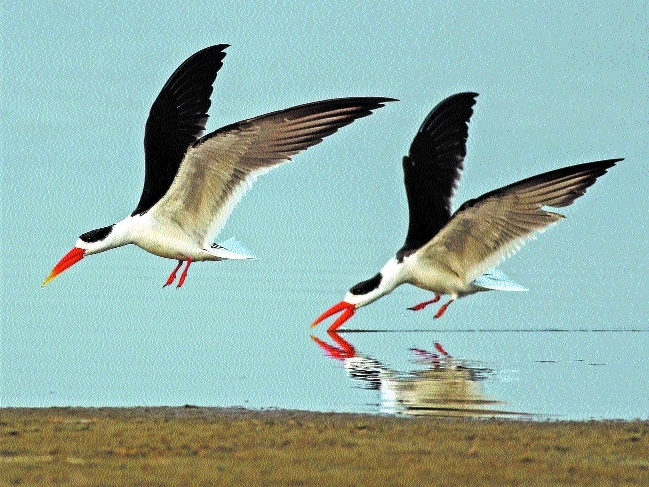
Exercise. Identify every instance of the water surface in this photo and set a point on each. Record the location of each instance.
(532, 374)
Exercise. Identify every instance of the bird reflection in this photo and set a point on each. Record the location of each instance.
(445, 386)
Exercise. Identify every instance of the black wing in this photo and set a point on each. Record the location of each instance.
(176, 120)
(433, 168)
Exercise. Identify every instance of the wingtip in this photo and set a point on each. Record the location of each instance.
(215, 49)
(218, 47)
(451, 106)
(469, 94)
(381, 102)
(367, 101)
(602, 166)
(371, 102)
(608, 162)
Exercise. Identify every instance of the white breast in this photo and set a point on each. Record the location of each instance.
(165, 238)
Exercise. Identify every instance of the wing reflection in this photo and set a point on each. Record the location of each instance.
(445, 386)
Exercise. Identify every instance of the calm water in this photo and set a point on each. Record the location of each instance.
(244, 340)
(532, 374)
(536, 374)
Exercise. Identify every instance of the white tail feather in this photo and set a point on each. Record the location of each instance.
(498, 281)
(231, 249)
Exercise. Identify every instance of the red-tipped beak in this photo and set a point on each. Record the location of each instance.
(347, 309)
(71, 258)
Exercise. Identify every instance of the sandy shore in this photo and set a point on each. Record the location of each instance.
(213, 446)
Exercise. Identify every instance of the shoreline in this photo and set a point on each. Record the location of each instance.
(236, 446)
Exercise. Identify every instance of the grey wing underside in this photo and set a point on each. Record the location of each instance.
(220, 167)
(484, 231)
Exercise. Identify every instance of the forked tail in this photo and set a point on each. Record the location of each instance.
(498, 281)
(231, 249)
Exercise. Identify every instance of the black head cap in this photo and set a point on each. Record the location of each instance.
(97, 235)
(366, 286)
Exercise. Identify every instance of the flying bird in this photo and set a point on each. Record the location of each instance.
(192, 182)
(457, 253)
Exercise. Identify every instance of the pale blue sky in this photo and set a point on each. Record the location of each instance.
(560, 83)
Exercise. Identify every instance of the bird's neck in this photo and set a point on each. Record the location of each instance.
(390, 276)
(393, 273)
(115, 236)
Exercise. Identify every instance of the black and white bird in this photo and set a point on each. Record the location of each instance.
(457, 253)
(193, 182)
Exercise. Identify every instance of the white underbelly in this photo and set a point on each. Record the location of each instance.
(437, 279)
(170, 241)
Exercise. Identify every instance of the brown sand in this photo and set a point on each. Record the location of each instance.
(211, 446)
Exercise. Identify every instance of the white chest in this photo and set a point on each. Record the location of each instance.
(166, 239)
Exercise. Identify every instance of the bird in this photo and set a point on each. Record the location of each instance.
(192, 182)
(457, 254)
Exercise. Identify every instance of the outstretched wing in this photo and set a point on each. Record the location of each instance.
(176, 120)
(433, 168)
(219, 168)
(485, 230)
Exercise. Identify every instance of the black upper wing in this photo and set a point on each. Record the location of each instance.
(433, 167)
(176, 120)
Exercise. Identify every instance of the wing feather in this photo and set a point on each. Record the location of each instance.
(433, 168)
(486, 230)
(176, 120)
(219, 168)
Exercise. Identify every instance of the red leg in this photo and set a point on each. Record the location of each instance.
(441, 349)
(421, 306)
(441, 310)
(172, 276)
(184, 274)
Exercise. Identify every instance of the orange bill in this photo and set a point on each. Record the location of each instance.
(71, 258)
(347, 309)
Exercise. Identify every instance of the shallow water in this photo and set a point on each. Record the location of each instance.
(533, 374)
(238, 335)
(509, 373)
